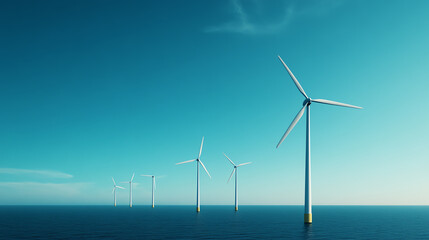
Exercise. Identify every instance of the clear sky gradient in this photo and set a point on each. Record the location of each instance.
(91, 90)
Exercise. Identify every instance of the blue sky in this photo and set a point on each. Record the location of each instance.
(91, 90)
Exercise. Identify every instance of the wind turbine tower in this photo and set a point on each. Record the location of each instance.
(153, 188)
(131, 190)
(235, 170)
(114, 191)
(198, 161)
(306, 105)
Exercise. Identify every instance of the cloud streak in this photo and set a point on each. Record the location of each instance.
(43, 193)
(39, 185)
(39, 173)
(243, 24)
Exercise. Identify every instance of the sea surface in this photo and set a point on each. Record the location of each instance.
(213, 222)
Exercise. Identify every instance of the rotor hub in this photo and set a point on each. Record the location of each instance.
(307, 101)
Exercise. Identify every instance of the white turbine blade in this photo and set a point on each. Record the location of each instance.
(324, 101)
(293, 78)
(114, 183)
(125, 182)
(186, 161)
(154, 183)
(295, 120)
(201, 148)
(202, 164)
(120, 187)
(113, 190)
(243, 164)
(146, 175)
(132, 177)
(233, 171)
(229, 160)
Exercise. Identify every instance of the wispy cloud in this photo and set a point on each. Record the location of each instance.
(71, 187)
(44, 193)
(31, 172)
(243, 21)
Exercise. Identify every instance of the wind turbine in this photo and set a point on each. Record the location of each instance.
(198, 173)
(114, 191)
(235, 170)
(131, 190)
(306, 104)
(153, 188)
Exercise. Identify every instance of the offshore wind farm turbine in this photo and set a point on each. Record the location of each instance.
(114, 191)
(198, 160)
(306, 105)
(153, 188)
(131, 190)
(235, 170)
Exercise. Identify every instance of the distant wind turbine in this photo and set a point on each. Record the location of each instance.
(235, 170)
(198, 160)
(131, 190)
(114, 191)
(153, 188)
(306, 104)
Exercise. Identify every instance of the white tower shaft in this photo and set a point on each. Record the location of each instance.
(153, 192)
(236, 189)
(114, 196)
(131, 194)
(307, 210)
(198, 185)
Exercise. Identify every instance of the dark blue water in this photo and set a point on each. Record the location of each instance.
(213, 222)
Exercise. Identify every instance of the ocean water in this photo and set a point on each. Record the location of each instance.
(213, 222)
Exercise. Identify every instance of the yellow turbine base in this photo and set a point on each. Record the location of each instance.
(198, 209)
(153, 206)
(308, 218)
(236, 208)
